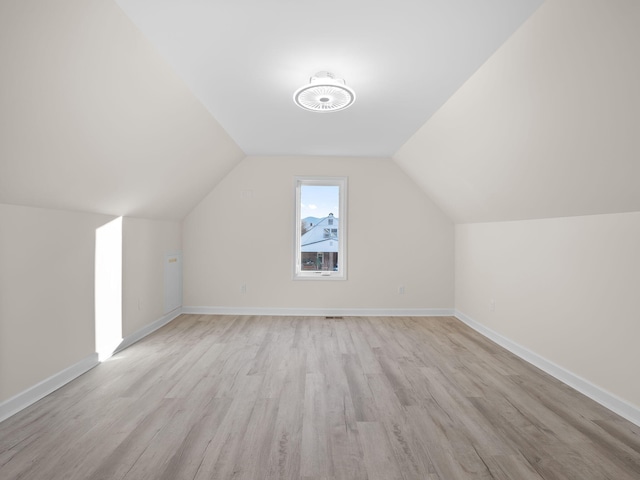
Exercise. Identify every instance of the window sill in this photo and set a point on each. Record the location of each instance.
(319, 276)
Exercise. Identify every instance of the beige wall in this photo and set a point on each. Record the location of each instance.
(243, 232)
(46, 293)
(93, 119)
(565, 288)
(47, 287)
(547, 127)
(144, 246)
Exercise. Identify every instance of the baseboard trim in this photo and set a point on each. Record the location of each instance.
(321, 312)
(40, 390)
(147, 330)
(604, 398)
(30, 396)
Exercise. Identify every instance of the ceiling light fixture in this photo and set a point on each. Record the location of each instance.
(324, 93)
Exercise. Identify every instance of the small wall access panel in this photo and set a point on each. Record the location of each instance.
(172, 281)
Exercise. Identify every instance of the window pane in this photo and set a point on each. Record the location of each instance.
(320, 227)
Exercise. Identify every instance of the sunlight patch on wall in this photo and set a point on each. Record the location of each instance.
(108, 288)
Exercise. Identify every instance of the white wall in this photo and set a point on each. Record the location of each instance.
(47, 262)
(243, 232)
(145, 244)
(565, 288)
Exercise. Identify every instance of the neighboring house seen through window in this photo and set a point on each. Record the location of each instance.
(321, 215)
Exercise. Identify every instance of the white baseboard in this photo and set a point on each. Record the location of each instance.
(24, 399)
(33, 394)
(40, 390)
(148, 329)
(604, 398)
(322, 312)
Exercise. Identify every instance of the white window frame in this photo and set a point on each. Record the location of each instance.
(341, 274)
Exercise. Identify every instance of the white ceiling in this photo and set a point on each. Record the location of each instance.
(244, 59)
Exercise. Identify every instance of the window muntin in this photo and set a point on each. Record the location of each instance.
(320, 228)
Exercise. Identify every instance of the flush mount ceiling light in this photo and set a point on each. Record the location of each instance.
(324, 93)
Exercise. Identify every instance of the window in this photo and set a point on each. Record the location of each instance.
(321, 228)
(330, 233)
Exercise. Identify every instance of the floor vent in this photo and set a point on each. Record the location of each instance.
(333, 318)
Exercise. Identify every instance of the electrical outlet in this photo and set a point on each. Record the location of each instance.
(243, 288)
(401, 290)
(492, 305)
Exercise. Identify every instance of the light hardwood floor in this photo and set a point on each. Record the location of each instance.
(248, 397)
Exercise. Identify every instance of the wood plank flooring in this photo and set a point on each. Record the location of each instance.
(248, 397)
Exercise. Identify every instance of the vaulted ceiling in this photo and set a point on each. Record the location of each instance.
(499, 110)
(547, 127)
(404, 58)
(93, 119)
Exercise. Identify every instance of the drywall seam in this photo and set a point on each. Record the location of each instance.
(319, 312)
(40, 390)
(604, 398)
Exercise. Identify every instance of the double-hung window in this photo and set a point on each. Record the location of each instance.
(321, 228)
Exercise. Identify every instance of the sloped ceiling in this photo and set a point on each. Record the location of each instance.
(93, 119)
(244, 59)
(549, 126)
